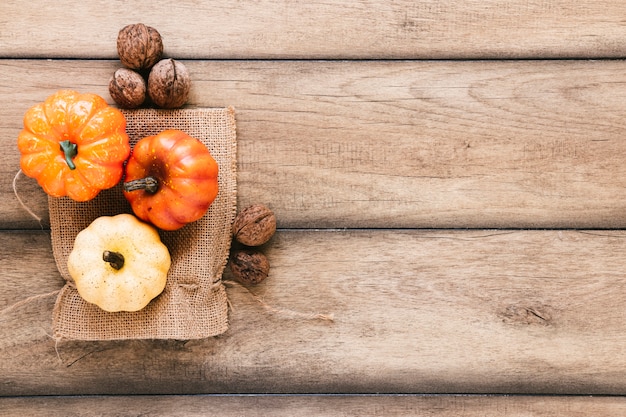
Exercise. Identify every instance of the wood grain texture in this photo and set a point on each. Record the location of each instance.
(320, 29)
(278, 406)
(510, 312)
(357, 141)
(400, 144)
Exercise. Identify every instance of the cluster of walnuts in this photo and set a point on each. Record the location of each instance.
(146, 75)
(253, 227)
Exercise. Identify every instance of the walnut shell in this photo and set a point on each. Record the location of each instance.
(139, 46)
(127, 88)
(169, 84)
(254, 225)
(249, 266)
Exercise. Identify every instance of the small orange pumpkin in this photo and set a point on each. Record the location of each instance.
(171, 179)
(74, 145)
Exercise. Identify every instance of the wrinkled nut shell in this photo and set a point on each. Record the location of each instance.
(127, 88)
(254, 225)
(249, 267)
(139, 46)
(169, 84)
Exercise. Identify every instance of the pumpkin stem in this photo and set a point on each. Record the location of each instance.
(115, 259)
(148, 184)
(70, 150)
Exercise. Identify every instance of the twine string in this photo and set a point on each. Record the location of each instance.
(280, 311)
(26, 301)
(24, 206)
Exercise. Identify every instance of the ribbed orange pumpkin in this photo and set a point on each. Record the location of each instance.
(74, 145)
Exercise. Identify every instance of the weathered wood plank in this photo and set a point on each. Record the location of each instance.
(336, 405)
(524, 312)
(535, 144)
(319, 29)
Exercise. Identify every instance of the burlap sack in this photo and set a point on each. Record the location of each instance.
(194, 303)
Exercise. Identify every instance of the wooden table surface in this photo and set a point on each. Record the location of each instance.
(449, 179)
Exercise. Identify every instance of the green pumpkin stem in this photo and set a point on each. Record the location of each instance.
(70, 150)
(148, 184)
(115, 259)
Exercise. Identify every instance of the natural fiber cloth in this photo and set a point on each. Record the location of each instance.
(194, 303)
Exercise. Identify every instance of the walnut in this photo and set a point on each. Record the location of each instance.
(169, 84)
(249, 266)
(254, 225)
(127, 88)
(139, 46)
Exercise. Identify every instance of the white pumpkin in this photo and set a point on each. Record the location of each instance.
(119, 263)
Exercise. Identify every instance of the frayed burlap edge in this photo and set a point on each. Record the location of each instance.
(194, 304)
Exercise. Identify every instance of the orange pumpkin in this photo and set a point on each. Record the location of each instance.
(74, 145)
(171, 179)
